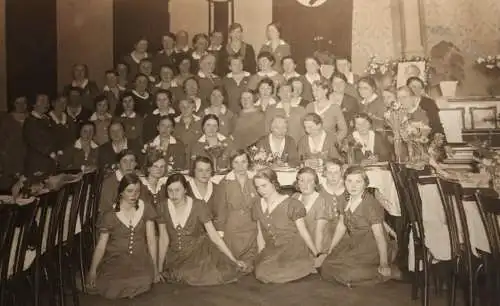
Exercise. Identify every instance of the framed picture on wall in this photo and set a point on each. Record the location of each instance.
(408, 69)
(483, 117)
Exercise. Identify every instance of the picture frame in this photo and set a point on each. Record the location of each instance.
(483, 118)
(409, 68)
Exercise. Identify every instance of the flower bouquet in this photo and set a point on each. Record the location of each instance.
(216, 154)
(489, 65)
(378, 68)
(350, 146)
(416, 136)
(260, 158)
(396, 117)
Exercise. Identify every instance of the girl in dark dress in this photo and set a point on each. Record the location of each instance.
(166, 76)
(146, 68)
(123, 73)
(197, 255)
(89, 89)
(265, 61)
(360, 252)
(348, 104)
(165, 56)
(144, 102)
(132, 122)
(134, 58)
(184, 68)
(153, 190)
(163, 101)
(237, 47)
(83, 153)
(125, 257)
(297, 89)
(187, 124)
(201, 186)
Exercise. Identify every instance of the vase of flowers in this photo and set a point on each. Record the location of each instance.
(396, 118)
(260, 158)
(416, 136)
(216, 154)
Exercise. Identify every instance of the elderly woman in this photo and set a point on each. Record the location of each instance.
(234, 208)
(217, 107)
(201, 186)
(118, 142)
(297, 90)
(368, 145)
(250, 124)
(187, 124)
(143, 99)
(347, 103)
(371, 103)
(166, 76)
(265, 91)
(153, 190)
(288, 109)
(312, 74)
(317, 144)
(330, 113)
(132, 122)
(134, 58)
(184, 72)
(279, 144)
(163, 101)
(89, 89)
(286, 249)
(235, 82)
(173, 150)
(237, 47)
(275, 45)
(12, 147)
(410, 103)
(206, 78)
(84, 152)
(211, 144)
(265, 61)
(191, 91)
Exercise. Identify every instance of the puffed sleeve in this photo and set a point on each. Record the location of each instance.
(374, 211)
(106, 222)
(204, 214)
(296, 209)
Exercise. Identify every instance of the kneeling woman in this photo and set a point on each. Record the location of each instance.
(124, 260)
(286, 250)
(197, 255)
(363, 256)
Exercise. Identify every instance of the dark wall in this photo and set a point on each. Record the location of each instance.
(135, 19)
(31, 40)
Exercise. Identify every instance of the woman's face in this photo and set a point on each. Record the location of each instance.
(264, 187)
(236, 34)
(201, 44)
(406, 99)
(202, 172)
(186, 107)
(176, 192)
(208, 64)
(216, 98)
(247, 101)
(312, 128)
(42, 104)
(236, 66)
(146, 67)
(365, 90)
(272, 32)
(297, 88)
(362, 125)
(87, 132)
(355, 184)
(79, 72)
(122, 70)
(279, 127)
(311, 66)
(343, 66)
(116, 132)
(101, 107)
(306, 183)
(128, 104)
(333, 173)
(127, 164)
(240, 164)
(265, 90)
(60, 104)
(264, 64)
(20, 105)
(157, 169)
(289, 65)
(162, 101)
(338, 85)
(141, 46)
(285, 93)
(166, 74)
(417, 88)
(165, 128)
(389, 97)
(319, 92)
(191, 88)
(131, 193)
(167, 42)
(185, 66)
(210, 127)
(216, 39)
(111, 80)
(141, 84)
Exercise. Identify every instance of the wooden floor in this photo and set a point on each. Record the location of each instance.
(248, 292)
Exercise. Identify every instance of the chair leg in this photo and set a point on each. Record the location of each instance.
(425, 295)
(453, 285)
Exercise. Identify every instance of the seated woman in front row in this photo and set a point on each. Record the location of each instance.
(124, 261)
(286, 249)
(195, 253)
(360, 252)
(279, 144)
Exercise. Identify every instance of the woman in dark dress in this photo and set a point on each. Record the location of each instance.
(123, 74)
(277, 46)
(125, 257)
(280, 145)
(372, 104)
(347, 103)
(113, 91)
(118, 142)
(200, 46)
(206, 78)
(187, 124)
(297, 89)
(144, 101)
(184, 68)
(132, 122)
(63, 129)
(165, 56)
(218, 108)
(312, 75)
(12, 147)
(163, 101)
(237, 47)
(201, 186)
(195, 253)
(235, 83)
(153, 190)
(250, 124)
(83, 153)
(134, 58)
(88, 87)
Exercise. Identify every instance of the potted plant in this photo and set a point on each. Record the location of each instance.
(446, 67)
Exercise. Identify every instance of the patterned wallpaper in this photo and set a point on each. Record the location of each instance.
(473, 28)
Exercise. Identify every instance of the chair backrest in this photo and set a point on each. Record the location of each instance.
(8, 218)
(490, 221)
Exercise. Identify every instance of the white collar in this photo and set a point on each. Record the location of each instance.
(131, 116)
(203, 75)
(278, 151)
(270, 208)
(80, 85)
(282, 42)
(372, 98)
(292, 104)
(135, 219)
(319, 147)
(37, 115)
(157, 143)
(196, 191)
(74, 114)
(178, 219)
(269, 74)
(271, 102)
(184, 49)
(311, 201)
(220, 137)
(135, 59)
(56, 120)
(292, 75)
(245, 74)
(212, 48)
(119, 175)
(161, 182)
(365, 145)
(107, 88)
(331, 191)
(231, 176)
(170, 111)
(78, 144)
(195, 55)
(312, 78)
(178, 118)
(144, 96)
(223, 110)
(353, 205)
(322, 111)
(95, 117)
